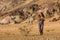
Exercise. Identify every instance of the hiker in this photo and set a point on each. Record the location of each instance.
(41, 23)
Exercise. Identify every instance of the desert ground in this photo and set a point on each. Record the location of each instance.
(28, 31)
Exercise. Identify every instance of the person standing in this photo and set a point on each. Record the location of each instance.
(41, 23)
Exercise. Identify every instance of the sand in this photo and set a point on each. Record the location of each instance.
(26, 31)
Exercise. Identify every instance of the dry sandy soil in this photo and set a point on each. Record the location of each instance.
(25, 31)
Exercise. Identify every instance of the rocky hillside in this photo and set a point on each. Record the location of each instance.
(31, 8)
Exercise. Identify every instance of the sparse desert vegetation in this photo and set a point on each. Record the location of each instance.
(19, 19)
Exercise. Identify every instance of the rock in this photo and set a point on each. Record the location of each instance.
(29, 20)
(12, 22)
(6, 20)
(53, 20)
(17, 19)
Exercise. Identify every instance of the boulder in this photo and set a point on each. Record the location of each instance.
(6, 20)
(29, 20)
(17, 19)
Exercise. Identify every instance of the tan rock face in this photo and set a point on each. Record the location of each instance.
(6, 5)
(49, 8)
